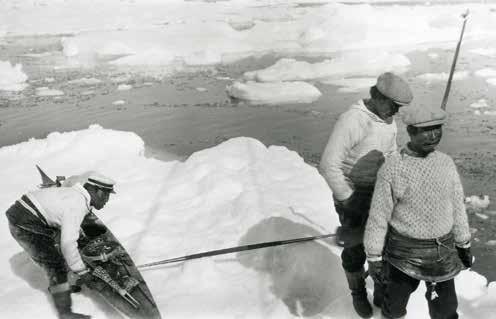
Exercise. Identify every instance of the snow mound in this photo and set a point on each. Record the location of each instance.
(238, 192)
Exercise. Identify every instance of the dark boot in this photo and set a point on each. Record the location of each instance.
(378, 294)
(63, 303)
(356, 282)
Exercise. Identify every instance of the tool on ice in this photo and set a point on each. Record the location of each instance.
(453, 65)
(235, 249)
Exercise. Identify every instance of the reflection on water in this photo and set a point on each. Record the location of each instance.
(307, 277)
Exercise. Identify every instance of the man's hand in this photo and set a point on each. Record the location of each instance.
(346, 203)
(85, 278)
(465, 256)
(376, 270)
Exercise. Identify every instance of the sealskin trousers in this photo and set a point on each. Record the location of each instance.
(441, 297)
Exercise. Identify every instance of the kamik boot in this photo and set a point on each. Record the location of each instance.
(356, 282)
(61, 295)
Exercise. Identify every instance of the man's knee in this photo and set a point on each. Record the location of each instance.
(56, 275)
(353, 258)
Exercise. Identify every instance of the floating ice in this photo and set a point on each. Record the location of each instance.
(45, 91)
(486, 73)
(85, 81)
(353, 64)
(436, 77)
(482, 103)
(477, 202)
(12, 77)
(274, 92)
(124, 87)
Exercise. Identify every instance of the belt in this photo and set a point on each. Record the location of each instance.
(29, 206)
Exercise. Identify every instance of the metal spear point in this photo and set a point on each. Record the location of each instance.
(453, 65)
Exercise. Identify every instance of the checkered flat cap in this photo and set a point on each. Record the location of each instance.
(420, 116)
(394, 88)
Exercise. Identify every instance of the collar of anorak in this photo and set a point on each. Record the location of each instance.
(78, 187)
(360, 105)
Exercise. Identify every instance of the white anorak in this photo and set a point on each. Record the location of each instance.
(356, 134)
(64, 208)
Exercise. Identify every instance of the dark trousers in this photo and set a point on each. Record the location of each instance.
(441, 297)
(40, 241)
(353, 218)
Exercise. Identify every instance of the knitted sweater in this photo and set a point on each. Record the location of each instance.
(420, 197)
(354, 151)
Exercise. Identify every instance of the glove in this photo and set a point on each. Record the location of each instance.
(376, 270)
(465, 256)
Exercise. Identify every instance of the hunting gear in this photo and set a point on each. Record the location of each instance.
(46, 224)
(355, 151)
(417, 228)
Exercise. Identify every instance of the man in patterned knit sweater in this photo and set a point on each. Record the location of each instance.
(349, 164)
(418, 222)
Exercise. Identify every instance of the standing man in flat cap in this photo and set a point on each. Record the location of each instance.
(417, 222)
(46, 224)
(349, 164)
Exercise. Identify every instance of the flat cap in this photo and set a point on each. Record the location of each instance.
(101, 181)
(395, 88)
(423, 116)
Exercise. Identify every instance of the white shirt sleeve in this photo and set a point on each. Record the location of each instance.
(72, 218)
(345, 135)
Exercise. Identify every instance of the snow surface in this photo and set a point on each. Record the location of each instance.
(238, 192)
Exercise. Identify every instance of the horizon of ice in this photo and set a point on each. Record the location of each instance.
(155, 37)
(158, 33)
(237, 192)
